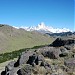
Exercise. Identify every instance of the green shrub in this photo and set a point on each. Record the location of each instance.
(11, 55)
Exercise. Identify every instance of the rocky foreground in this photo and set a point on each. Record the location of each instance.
(55, 59)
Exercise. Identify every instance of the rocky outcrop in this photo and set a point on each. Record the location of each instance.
(61, 42)
(9, 69)
(24, 57)
(10, 66)
(50, 52)
(64, 52)
(33, 62)
(25, 70)
(35, 59)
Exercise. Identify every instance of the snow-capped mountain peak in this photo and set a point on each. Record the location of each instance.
(43, 28)
(41, 25)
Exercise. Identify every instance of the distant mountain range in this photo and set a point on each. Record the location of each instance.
(62, 34)
(45, 29)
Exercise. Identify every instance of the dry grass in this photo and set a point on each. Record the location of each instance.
(39, 70)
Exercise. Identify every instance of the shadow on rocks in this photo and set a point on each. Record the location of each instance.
(3, 73)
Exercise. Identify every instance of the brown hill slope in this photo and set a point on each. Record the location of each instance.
(15, 39)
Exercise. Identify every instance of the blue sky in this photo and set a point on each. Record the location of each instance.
(56, 13)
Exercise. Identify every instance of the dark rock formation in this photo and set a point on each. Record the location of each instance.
(3, 73)
(58, 42)
(61, 42)
(34, 59)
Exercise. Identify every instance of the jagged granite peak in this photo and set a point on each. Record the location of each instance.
(42, 27)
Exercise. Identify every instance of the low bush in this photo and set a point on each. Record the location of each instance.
(11, 55)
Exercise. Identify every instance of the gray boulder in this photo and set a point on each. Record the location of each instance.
(50, 52)
(69, 47)
(9, 69)
(10, 66)
(64, 52)
(24, 57)
(26, 70)
(40, 57)
(35, 59)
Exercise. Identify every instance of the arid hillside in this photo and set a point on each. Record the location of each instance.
(14, 39)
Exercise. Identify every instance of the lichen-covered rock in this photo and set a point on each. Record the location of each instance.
(69, 66)
(9, 69)
(70, 63)
(50, 52)
(10, 66)
(25, 70)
